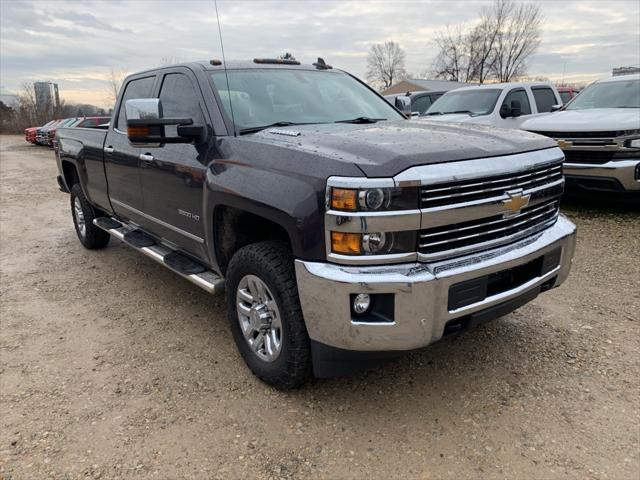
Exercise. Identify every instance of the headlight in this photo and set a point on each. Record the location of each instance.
(373, 199)
(634, 143)
(373, 243)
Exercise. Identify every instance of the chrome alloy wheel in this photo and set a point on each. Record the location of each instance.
(259, 318)
(79, 216)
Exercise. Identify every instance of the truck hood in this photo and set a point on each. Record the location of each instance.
(385, 149)
(461, 118)
(589, 120)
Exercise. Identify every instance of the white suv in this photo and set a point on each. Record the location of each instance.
(599, 132)
(505, 105)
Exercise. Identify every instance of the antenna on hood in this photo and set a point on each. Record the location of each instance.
(224, 66)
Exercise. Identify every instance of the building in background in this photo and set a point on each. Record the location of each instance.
(625, 71)
(47, 96)
(420, 85)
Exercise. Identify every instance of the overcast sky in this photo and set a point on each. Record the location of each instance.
(76, 43)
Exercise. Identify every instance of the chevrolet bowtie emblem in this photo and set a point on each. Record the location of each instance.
(563, 144)
(516, 202)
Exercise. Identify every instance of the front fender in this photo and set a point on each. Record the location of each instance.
(294, 202)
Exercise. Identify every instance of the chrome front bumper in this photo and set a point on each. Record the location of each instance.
(421, 292)
(625, 171)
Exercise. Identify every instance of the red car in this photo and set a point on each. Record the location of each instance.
(31, 132)
(567, 93)
(80, 122)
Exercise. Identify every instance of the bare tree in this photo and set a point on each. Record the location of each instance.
(498, 47)
(453, 61)
(385, 64)
(114, 83)
(518, 37)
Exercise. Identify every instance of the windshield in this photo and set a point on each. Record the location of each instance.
(474, 102)
(262, 97)
(618, 94)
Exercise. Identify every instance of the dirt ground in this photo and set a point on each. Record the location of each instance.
(113, 367)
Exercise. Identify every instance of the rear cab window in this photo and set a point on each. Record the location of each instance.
(544, 97)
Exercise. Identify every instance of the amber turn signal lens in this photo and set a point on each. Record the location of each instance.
(343, 199)
(346, 243)
(138, 131)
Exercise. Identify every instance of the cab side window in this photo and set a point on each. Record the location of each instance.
(139, 88)
(520, 96)
(421, 104)
(179, 98)
(544, 97)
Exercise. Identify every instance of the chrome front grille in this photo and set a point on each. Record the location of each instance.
(474, 235)
(438, 195)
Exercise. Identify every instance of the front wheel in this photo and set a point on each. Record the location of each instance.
(265, 315)
(83, 214)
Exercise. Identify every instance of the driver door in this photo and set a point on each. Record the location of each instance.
(519, 95)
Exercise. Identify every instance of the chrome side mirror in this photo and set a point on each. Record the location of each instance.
(404, 105)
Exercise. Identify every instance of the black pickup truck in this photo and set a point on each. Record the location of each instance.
(342, 232)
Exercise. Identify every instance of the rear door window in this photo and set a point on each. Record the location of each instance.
(544, 97)
(138, 88)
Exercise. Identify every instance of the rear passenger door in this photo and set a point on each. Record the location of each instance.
(173, 175)
(545, 98)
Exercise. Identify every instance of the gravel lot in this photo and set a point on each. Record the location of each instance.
(113, 367)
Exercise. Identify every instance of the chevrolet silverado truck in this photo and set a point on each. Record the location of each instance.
(342, 232)
(505, 105)
(599, 132)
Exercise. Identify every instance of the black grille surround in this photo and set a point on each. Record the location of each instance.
(589, 156)
(475, 234)
(446, 194)
(570, 135)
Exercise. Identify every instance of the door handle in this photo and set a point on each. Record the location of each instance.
(108, 149)
(146, 157)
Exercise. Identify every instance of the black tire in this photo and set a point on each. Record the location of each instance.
(273, 263)
(93, 238)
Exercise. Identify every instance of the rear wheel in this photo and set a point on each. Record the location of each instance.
(265, 315)
(83, 214)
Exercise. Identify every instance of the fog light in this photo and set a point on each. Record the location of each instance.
(361, 303)
(376, 242)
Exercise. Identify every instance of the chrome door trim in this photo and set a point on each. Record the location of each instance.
(184, 233)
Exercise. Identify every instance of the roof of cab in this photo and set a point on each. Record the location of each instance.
(620, 78)
(502, 86)
(237, 65)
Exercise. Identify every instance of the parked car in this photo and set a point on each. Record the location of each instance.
(567, 93)
(420, 101)
(31, 133)
(42, 135)
(79, 122)
(338, 228)
(599, 132)
(504, 105)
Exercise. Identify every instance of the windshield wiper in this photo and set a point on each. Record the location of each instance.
(434, 113)
(274, 124)
(459, 111)
(360, 120)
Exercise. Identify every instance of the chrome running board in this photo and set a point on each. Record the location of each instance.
(176, 262)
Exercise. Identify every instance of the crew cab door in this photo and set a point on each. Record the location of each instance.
(173, 175)
(520, 95)
(121, 159)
